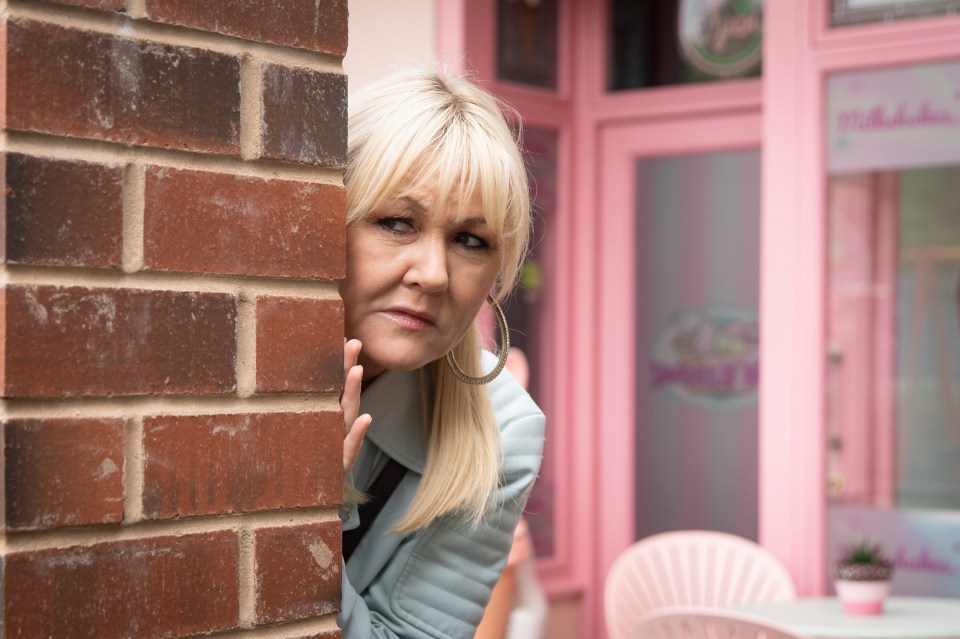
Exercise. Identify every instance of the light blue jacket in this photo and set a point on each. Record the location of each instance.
(436, 582)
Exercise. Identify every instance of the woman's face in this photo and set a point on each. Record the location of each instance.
(416, 279)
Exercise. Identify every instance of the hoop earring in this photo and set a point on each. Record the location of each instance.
(504, 350)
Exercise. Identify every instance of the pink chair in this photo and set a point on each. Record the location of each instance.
(702, 569)
(703, 623)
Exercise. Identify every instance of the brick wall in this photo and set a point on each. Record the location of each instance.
(170, 327)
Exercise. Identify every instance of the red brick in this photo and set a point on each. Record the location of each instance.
(299, 345)
(120, 89)
(297, 571)
(104, 5)
(304, 116)
(160, 587)
(333, 634)
(63, 212)
(63, 472)
(216, 464)
(65, 341)
(320, 25)
(199, 221)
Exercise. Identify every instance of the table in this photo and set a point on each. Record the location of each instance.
(903, 618)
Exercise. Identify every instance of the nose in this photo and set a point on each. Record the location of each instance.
(428, 267)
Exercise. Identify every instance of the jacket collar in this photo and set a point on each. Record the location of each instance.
(394, 402)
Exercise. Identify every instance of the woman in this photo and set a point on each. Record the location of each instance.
(438, 219)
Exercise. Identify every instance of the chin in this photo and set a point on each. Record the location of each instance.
(405, 367)
(402, 364)
(403, 352)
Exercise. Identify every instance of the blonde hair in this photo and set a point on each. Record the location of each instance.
(422, 125)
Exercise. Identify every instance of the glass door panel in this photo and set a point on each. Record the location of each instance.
(697, 284)
(893, 320)
(527, 42)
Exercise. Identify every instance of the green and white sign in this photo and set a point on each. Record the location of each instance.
(722, 38)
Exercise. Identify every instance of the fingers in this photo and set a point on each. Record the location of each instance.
(351, 352)
(354, 440)
(352, 378)
(354, 425)
(350, 400)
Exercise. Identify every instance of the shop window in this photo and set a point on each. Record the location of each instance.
(846, 12)
(893, 320)
(667, 42)
(527, 35)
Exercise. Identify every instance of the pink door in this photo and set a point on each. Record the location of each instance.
(678, 352)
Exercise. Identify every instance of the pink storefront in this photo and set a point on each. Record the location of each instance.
(743, 306)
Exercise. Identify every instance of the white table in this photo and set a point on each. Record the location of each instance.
(902, 618)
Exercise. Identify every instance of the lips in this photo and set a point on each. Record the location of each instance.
(410, 318)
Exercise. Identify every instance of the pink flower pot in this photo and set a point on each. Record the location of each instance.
(862, 597)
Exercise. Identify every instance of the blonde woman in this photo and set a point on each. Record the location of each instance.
(445, 445)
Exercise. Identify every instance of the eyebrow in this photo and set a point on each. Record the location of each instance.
(414, 204)
(420, 208)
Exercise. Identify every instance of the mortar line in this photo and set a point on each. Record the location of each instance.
(133, 471)
(246, 344)
(29, 541)
(169, 405)
(169, 281)
(133, 207)
(247, 576)
(108, 152)
(251, 107)
(136, 9)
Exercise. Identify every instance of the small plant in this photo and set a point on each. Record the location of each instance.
(864, 561)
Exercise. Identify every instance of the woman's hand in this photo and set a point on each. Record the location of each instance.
(354, 426)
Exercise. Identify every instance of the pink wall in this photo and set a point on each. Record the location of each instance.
(388, 35)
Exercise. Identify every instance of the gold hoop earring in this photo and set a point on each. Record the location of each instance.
(504, 350)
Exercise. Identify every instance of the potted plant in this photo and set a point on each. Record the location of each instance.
(862, 582)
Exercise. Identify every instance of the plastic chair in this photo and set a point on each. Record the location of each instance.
(705, 569)
(703, 623)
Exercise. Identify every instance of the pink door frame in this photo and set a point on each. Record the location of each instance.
(599, 141)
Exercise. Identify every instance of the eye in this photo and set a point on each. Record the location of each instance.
(471, 241)
(396, 225)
